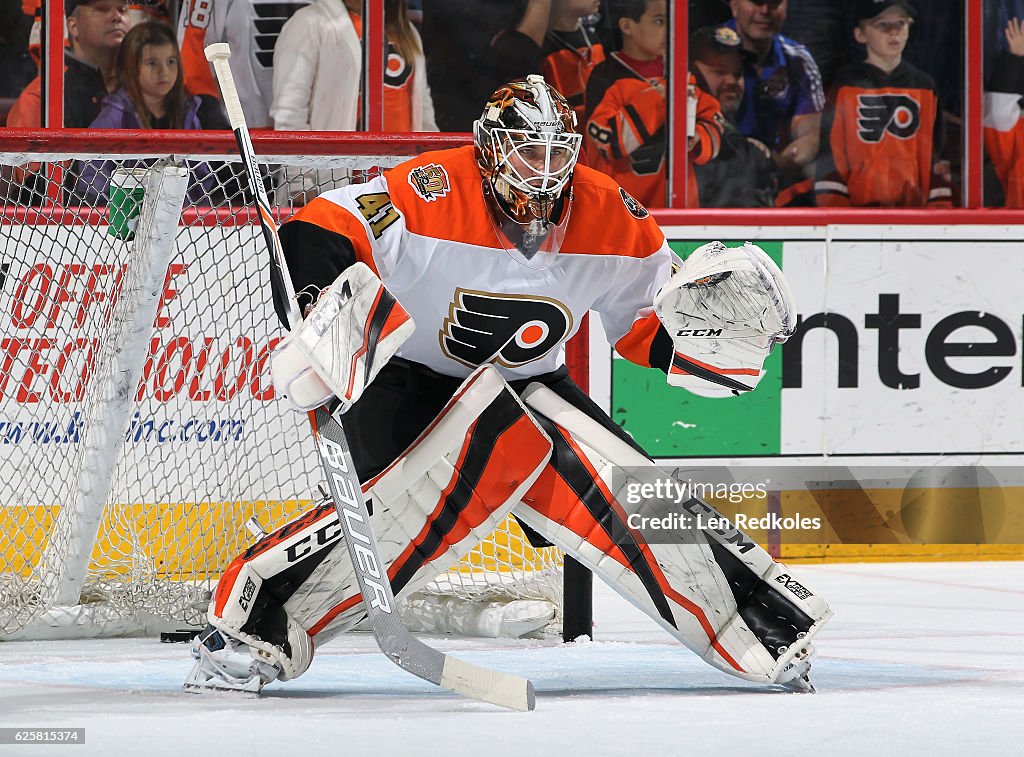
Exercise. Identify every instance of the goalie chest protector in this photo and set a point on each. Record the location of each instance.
(424, 227)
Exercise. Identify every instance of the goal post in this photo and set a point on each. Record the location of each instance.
(139, 428)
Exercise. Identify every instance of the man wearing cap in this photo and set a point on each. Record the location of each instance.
(743, 173)
(882, 130)
(95, 30)
(783, 96)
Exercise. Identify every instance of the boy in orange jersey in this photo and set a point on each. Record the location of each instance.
(625, 122)
(1004, 119)
(882, 131)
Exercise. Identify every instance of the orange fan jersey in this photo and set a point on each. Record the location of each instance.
(569, 60)
(881, 140)
(625, 130)
(1004, 127)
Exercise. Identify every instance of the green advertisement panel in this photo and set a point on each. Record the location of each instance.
(671, 422)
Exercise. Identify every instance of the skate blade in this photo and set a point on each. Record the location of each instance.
(197, 683)
(249, 690)
(800, 685)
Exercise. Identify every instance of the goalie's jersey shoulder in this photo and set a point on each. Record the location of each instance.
(440, 196)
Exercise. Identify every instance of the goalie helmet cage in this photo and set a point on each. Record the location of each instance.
(139, 428)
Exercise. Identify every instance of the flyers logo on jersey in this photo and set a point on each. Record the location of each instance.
(430, 181)
(507, 329)
(900, 115)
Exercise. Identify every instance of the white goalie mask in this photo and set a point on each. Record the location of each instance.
(527, 147)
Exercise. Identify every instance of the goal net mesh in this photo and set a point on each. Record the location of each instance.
(202, 442)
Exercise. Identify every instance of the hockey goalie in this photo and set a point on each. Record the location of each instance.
(437, 300)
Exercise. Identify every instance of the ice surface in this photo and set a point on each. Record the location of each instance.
(921, 658)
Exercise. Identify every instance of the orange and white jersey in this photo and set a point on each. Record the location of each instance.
(251, 27)
(1004, 126)
(424, 227)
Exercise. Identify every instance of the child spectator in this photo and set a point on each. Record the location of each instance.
(743, 173)
(152, 95)
(625, 123)
(882, 131)
(1004, 119)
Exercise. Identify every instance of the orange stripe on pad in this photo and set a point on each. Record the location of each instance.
(556, 496)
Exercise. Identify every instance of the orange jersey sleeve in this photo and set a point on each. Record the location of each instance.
(196, 16)
(1004, 126)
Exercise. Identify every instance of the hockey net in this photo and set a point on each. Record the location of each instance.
(139, 428)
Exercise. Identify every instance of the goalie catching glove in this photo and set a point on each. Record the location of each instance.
(725, 309)
(355, 328)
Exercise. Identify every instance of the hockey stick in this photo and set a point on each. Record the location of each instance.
(393, 638)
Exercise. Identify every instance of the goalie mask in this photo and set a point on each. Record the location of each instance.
(527, 147)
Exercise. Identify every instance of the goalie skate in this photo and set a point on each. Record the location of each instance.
(226, 664)
(796, 675)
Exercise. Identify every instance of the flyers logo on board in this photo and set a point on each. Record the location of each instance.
(899, 115)
(506, 329)
(430, 181)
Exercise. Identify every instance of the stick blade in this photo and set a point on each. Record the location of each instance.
(502, 689)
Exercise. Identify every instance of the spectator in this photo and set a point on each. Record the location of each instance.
(997, 14)
(152, 95)
(625, 126)
(316, 85)
(783, 97)
(251, 27)
(551, 38)
(95, 30)
(17, 68)
(882, 130)
(743, 173)
(1004, 118)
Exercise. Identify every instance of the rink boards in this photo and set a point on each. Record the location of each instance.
(913, 350)
(910, 353)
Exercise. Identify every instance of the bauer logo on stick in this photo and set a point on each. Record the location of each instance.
(510, 330)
